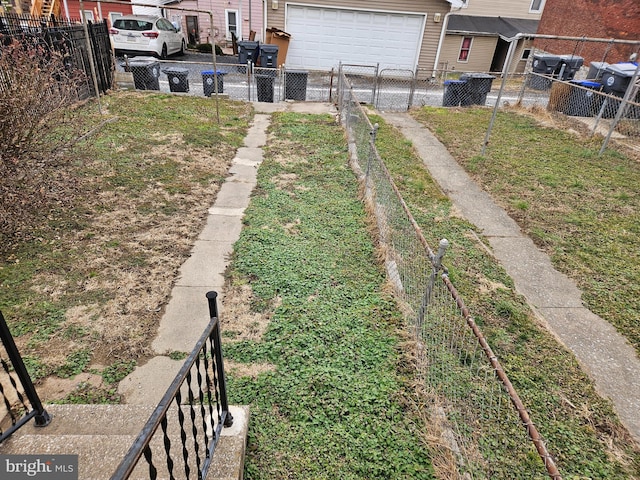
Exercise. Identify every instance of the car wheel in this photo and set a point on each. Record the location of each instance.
(164, 55)
(182, 48)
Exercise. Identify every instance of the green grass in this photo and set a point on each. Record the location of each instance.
(84, 287)
(581, 208)
(330, 408)
(575, 421)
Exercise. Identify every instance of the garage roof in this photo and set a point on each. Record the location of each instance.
(500, 26)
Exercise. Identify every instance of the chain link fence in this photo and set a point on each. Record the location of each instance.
(480, 424)
(235, 81)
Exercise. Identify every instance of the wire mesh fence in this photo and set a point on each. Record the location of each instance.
(474, 410)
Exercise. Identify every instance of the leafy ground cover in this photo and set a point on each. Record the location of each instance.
(581, 208)
(313, 339)
(83, 289)
(309, 348)
(327, 402)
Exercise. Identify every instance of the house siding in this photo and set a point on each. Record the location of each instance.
(480, 55)
(104, 8)
(218, 32)
(276, 18)
(619, 19)
(499, 8)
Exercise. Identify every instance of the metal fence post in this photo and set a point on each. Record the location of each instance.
(375, 83)
(372, 149)
(90, 53)
(412, 88)
(426, 299)
(505, 72)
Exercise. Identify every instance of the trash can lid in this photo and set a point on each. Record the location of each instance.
(141, 61)
(296, 71)
(546, 56)
(175, 70)
(454, 82)
(624, 69)
(210, 72)
(248, 43)
(476, 75)
(587, 83)
(267, 47)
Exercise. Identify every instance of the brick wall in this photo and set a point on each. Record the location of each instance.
(618, 19)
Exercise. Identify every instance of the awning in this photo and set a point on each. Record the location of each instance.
(490, 26)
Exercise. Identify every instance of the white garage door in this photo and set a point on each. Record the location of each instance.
(322, 37)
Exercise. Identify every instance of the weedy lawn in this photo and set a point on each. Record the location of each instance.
(320, 355)
(314, 342)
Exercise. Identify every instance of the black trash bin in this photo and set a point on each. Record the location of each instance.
(248, 51)
(146, 72)
(477, 87)
(596, 69)
(208, 82)
(454, 90)
(264, 85)
(569, 67)
(615, 81)
(268, 56)
(583, 101)
(295, 84)
(178, 79)
(544, 64)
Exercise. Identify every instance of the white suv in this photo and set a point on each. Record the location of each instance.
(144, 35)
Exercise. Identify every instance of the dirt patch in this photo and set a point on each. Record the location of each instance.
(55, 388)
(247, 369)
(238, 320)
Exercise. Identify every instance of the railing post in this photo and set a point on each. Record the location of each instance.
(217, 343)
(42, 418)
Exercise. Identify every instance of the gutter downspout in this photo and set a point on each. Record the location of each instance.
(66, 9)
(264, 20)
(443, 32)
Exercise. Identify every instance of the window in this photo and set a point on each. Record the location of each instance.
(536, 5)
(88, 15)
(464, 49)
(232, 24)
(525, 53)
(113, 16)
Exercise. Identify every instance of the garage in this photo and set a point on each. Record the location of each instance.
(323, 37)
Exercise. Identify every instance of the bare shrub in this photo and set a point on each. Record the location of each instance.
(37, 94)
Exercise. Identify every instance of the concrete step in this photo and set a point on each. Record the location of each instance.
(101, 435)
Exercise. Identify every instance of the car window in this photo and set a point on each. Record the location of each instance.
(164, 24)
(132, 24)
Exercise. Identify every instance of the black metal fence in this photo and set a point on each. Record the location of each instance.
(68, 39)
(184, 438)
(19, 401)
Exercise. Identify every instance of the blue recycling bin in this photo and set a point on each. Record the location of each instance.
(583, 101)
(208, 82)
(454, 91)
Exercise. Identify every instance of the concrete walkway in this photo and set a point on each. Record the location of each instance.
(605, 354)
(187, 313)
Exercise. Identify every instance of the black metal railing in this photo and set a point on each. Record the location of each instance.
(183, 438)
(20, 401)
(68, 39)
